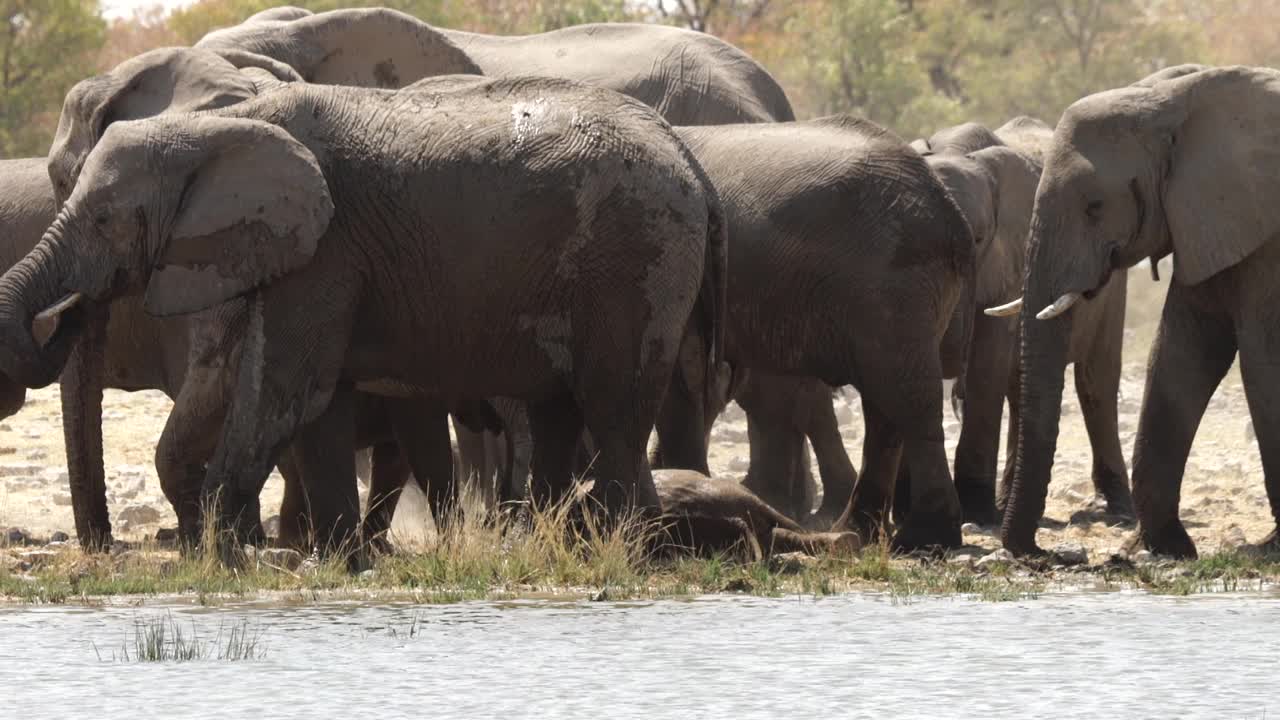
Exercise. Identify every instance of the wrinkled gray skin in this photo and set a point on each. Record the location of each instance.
(1066, 246)
(268, 199)
(135, 351)
(690, 78)
(146, 352)
(1184, 165)
(995, 187)
(716, 515)
(807, 204)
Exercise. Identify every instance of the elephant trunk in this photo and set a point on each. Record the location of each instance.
(39, 319)
(1043, 360)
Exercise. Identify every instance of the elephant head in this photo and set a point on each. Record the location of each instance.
(995, 190)
(1182, 165)
(166, 80)
(192, 210)
(1029, 136)
(368, 47)
(958, 140)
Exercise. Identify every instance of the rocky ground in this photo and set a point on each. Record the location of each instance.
(1223, 502)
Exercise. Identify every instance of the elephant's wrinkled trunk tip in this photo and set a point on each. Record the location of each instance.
(1006, 310)
(1059, 306)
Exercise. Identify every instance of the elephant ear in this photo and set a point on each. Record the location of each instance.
(1015, 179)
(367, 47)
(1220, 194)
(254, 206)
(164, 80)
(243, 59)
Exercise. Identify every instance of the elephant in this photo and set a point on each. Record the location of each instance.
(164, 353)
(848, 261)
(716, 515)
(1182, 164)
(334, 212)
(1095, 338)
(691, 78)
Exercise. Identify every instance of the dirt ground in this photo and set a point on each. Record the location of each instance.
(1223, 502)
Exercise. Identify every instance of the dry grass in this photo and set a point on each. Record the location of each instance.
(550, 553)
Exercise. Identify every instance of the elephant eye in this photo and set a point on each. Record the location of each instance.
(1094, 210)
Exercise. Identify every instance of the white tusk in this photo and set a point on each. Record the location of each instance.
(1059, 306)
(1005, 310)
(45, 323)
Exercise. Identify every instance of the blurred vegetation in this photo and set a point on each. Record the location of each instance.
(913, 65)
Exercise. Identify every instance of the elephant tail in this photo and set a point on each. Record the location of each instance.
(713, 300)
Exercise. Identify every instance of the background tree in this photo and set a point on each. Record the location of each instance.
(46, 46)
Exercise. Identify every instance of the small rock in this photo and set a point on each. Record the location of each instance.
(972, 529)
(739, 464)
(961, 559)
(1142, 557)
(167, 537)
(62, 498)
(739, 585)
(367, 574)
(16, 536)
(36, 558)
(792, 562)
(997, 558)
(1070, 554)
(284, 558)
(59, 537)
(139, 515)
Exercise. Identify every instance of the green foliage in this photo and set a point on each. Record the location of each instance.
(46, 46)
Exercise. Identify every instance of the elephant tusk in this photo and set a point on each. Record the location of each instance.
(1005, 310)
(1059, 306)
(45, 323)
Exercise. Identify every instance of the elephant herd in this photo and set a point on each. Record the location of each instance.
(319, 233)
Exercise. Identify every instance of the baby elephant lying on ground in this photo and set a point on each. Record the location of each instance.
(712, 515)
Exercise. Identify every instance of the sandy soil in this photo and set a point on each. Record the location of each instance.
(1223, 503)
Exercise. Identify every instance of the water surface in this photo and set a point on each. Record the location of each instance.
(1078, 655)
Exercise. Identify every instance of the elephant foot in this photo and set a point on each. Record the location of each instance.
(924, 532)
(98, 540)
(1020, 543)
(978, 504)
(1119, 505)
(1269, 547)
(1170, 540)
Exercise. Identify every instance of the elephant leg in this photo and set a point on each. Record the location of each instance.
(834, 467)
(978, 450)
(295, 518)
(684, 419)
(867, 510)
(902, 494)
(421, 428)
(289, 365)
(323, 452)
(186, 444)
(1098, 387)
(390, 472)
(1011, 441)
(555, 426)
(774, 473)
(476, 459)
(1260, 370)
(1192, 352)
